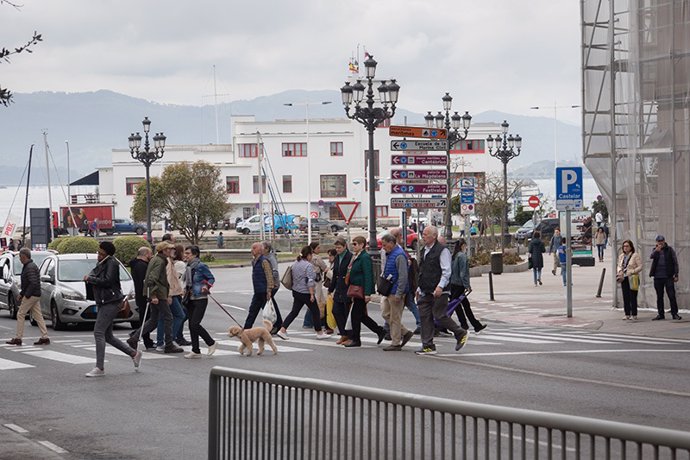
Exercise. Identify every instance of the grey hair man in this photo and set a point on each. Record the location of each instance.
(412, 270)
(29, 297)
(394, 270)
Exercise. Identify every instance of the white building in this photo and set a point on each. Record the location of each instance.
(324, 158)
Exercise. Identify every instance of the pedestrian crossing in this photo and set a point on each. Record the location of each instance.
(78, 351)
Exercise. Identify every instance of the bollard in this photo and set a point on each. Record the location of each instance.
(491, 286)
(601, 281)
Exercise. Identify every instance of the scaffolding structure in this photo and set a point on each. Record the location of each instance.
(636, 124)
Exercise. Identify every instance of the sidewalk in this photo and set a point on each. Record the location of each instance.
(517, 300)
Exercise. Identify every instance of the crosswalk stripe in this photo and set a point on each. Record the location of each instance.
(115, 351)
(597, 338)
(58, 356)
(6, 364)
(502, 336)
(559, 338)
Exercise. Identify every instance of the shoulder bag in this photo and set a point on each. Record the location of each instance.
(286, 280)
(384, 286)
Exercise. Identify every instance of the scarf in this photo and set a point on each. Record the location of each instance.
(189, 273)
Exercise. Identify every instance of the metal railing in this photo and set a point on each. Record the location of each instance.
(255, 415)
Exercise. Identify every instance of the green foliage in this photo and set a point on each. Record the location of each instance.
(522, 215)
(480, 258)
(600, 206)
(189, 195)
(511, 258)
(207, 257)
(79, 244)
(55, 244)
(126, 247)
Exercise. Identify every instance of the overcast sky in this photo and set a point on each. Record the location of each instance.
(502, 55)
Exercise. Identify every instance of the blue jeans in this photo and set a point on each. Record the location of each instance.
(537, 274)
(564, 274)
(178, 318)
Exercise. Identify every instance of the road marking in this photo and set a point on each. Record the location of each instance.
(15, 428)
(115, 351)
(234, 306)
(65, 341)
(236, 343)
(558, 337)
(502, 336)
(53, 447)
(62, 357)
(6, 364)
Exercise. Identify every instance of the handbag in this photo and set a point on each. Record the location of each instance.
(356, 292)
(286, 280)
(384, 286)
(530, 264)
(125, 309)
(634, 281)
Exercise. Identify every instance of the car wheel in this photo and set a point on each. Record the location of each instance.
(414, 245)
(11, 306)
(55, 318)
(280, 230)
(140, 231)
(245, 231)
(334, 228)
(135, 324)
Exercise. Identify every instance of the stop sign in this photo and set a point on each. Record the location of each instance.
(533, 201)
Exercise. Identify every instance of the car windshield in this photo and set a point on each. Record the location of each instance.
(36, 257)
(529, 225)
(75, 270)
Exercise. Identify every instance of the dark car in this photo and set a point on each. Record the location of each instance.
(127, 226)
(546, 228)
(321, 225)
(10, 278)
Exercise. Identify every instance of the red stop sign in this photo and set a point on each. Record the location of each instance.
(533, 201)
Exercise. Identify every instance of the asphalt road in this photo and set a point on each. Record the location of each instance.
(161, 411)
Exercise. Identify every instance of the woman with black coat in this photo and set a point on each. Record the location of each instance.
(534, 253)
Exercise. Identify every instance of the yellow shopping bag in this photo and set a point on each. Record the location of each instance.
(330, 319)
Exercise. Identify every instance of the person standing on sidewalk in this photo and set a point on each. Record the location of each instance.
(138, 267)
(460, 286)
(556, 241)
(433, 291)
(263, 282)
(665, 273)
(107, 292)
(29, 297)
(395, 270)
(535, 252)
(629, 264)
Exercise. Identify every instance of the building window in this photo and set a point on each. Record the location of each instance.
(287, 184)
(232, 184)
(248, 150)
(248, 212)
(294, 149)
(336, 149)
(255, 184)
(381, 211)
(469, 146)
(131, 184)
(333, 186)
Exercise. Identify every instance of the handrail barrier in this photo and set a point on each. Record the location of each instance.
(256, 415)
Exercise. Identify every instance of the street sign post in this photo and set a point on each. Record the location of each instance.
(415, 131)
(533, 202)
(410, 174)
(419, 145)
(419, 160)
(569, 189)
(419, 203)
(420, 188)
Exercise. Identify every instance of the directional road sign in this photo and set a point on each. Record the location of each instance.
(419, 145)
(569, 189)
(420, 188)
(410, 174)
(415, 131)
(467, 195)
(419, 160)
(418, 203)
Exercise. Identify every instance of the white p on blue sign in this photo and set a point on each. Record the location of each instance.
(569, 189)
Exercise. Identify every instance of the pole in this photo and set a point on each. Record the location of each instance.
(373, 246)
(149, 235)
(306, 108)
(504, 230)
(50, 193)
(26, 195)
(259, 156)
(449, 227)
(568, 266)
(215, 104)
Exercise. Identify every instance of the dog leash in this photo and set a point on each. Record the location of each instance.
(223, 308)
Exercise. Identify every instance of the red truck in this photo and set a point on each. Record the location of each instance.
(83, 216)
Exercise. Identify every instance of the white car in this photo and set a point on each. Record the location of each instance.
(63, 291)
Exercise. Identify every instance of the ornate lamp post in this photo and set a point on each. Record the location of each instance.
(505, 147)
(147, 157)
(452, 124)
(371, 117)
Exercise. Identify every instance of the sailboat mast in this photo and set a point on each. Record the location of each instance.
(50, 192)
(215, 104)
(26, 195)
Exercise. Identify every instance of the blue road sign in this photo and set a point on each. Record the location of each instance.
(467, 195)
(569, 190)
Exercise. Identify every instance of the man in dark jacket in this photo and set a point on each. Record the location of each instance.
(338, 288)
(29, 296)
(262, 281)
(665, 273)
(138, 265)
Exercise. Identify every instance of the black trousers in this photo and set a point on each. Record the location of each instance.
(360, 316)
(629, 298)
(258, 302)
(464, 311)
(659, 285)
(299, 300)
(340, 312)
(197, 309)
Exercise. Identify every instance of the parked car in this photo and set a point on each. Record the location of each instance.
(127, 226)
(10, 278)
(525, 232)
(282, 222)
(412, 239)
(546, 228)
(321, 225)
(63, 291)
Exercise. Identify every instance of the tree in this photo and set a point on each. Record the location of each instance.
(523, 215)
(5, 94)
(490, 205)
(600, 206)
(189, 195)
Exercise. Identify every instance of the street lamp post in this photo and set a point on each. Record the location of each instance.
(147, 156)
(505, 147)
(453, 124)
(371, 117)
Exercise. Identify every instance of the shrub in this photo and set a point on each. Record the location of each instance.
(79, 244)
(207, 257)
(511, 258)
(126, 247)
(480, 258)
(57, 242)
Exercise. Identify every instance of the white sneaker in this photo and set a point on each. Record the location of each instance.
(136, 359)
(212, 348)
(95, 372)
(282, 335)
(160, 348)
(322, 336)
(192, 355)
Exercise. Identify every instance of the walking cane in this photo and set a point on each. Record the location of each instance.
(141, 327)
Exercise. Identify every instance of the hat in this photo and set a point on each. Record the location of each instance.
(660, 238)
(163, 245)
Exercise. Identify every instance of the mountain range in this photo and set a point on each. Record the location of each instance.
(93, 123)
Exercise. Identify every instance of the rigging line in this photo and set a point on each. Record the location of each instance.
(68, 200)
(20, 186)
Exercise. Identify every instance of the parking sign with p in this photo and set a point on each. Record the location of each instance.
(569, 189)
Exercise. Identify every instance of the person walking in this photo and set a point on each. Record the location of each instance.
(338, 287)
(198, 283)
(270, 255)
(410, 302)
(665, 273)
(361, 273)
(433, 291)
(29, 297)
(320, 268)
(156, 284)
(395, 271)
(556, 241)
(107, 292)
(175, 293)
(303, 286)
(460, 287)
(180, 267)
(138, 267)
(562, 258)
(535, 252)
(629, 266)
(263, 282)
(600, 241)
